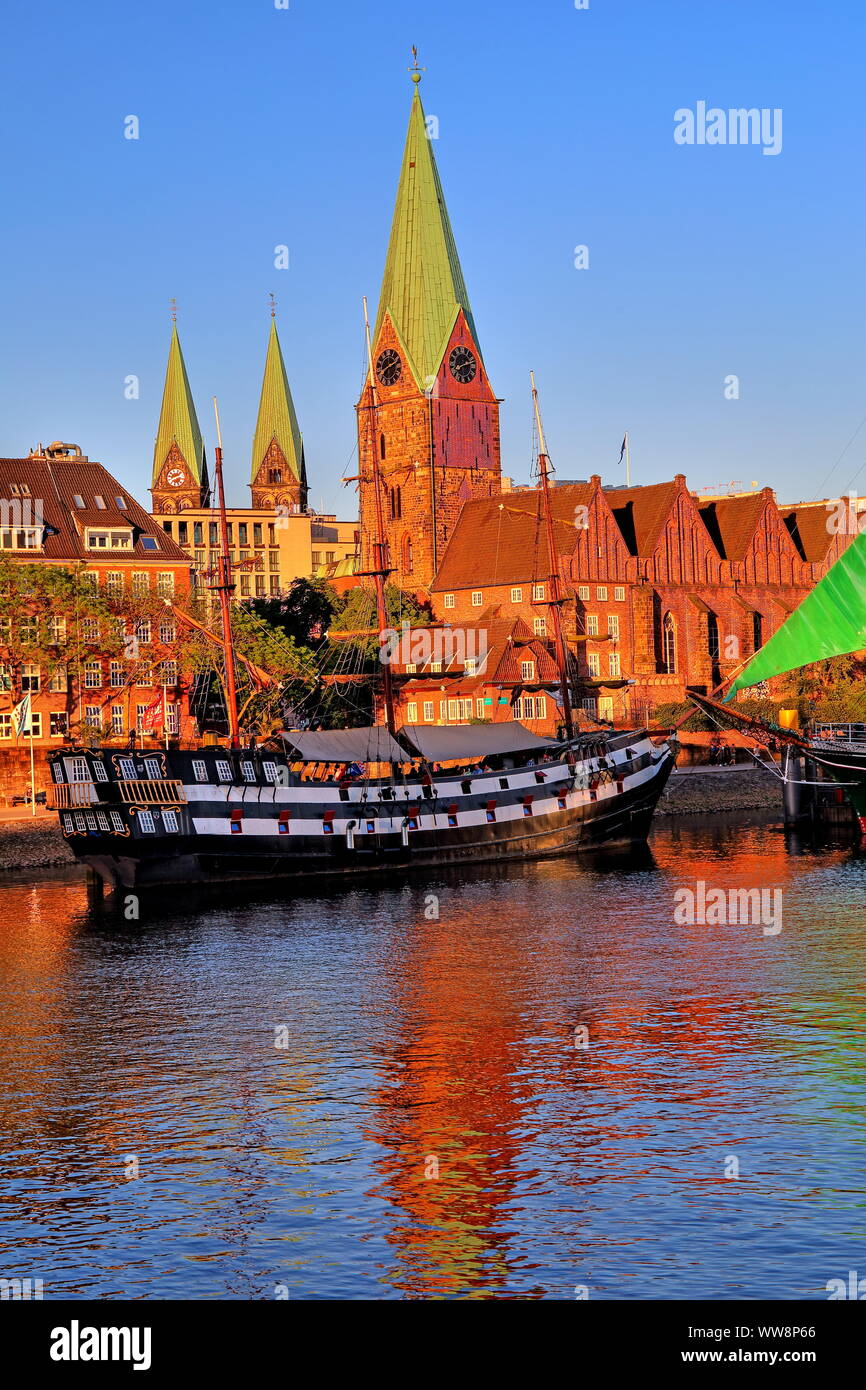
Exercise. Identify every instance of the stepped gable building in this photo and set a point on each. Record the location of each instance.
(279, 475)
(436, 429)
(275, 540)
(61, 508)
(180, 477)
(491, 668)
(668, 589)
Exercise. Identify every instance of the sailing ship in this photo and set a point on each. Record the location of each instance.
(324, 804)
(830, 622)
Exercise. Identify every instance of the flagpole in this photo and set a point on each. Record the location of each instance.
(32, 770)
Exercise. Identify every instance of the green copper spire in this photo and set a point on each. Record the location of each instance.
(177, 419)
(277, 419)
(423, 286)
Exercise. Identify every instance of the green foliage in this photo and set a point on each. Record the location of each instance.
(359, 614)
(667, 714)
(352, 702)
(305, 613)
(53, 618)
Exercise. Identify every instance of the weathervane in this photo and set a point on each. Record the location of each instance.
(273, 304)
(172, 304)
(415, 70)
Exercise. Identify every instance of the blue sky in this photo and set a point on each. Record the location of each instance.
(261, 127)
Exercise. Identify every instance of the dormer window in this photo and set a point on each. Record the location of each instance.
(21, 538)
(108, 540)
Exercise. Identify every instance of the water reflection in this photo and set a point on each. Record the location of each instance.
(354, 1096)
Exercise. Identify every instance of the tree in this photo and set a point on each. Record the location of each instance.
(305, 613)
(53, 621)
(350, 679)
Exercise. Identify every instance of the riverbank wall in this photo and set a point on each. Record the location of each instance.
(708, 790)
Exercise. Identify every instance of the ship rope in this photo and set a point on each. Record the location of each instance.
(777, 772)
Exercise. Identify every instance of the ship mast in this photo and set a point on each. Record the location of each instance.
(381, 568)
(557, 596)
(225, 588)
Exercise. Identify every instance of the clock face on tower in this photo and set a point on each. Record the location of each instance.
(389, 368)
(463, 365)
(175, 477)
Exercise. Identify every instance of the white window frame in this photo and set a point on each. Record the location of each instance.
(516, 595)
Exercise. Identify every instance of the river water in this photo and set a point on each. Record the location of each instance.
(554, 1088)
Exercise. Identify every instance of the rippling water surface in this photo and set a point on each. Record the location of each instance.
(288, 1076)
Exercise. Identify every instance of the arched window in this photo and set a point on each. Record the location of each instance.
(381, 446)
(399, 493)
(408, 560)
(669, 645)
(275, 475)
(713, 636)
(757, 631)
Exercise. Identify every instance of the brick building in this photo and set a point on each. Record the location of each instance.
(490, 668)
(668, 590)
(60, 508)
(436, 429)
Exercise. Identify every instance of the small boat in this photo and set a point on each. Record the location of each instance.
(325, 804)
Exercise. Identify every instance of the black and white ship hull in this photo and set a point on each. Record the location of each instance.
(150, 819)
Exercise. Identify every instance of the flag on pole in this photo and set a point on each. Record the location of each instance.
(21, 717)
(623, 449)
(152, 717)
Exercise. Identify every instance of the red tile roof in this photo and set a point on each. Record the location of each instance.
(732, 522)
(502, 540)
(508, 641)
(641, 512)
(54, 482)
(809, 529)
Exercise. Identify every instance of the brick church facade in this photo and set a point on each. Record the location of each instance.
(667, 589)
(429, 413)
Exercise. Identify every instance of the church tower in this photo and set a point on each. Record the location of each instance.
(436, 429)
(180, 479)
(279, 475)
